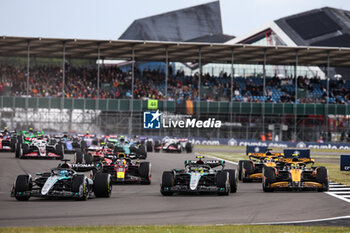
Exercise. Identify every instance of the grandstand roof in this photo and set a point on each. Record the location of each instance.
(177, 51)
(319, 27)
(179, 25)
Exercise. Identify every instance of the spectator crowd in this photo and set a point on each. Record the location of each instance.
(81, 82)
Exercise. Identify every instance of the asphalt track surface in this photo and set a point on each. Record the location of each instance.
(143, 204)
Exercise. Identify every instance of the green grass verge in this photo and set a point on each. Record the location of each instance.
(177, 229)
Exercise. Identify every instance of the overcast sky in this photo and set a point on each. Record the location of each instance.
(108, 19)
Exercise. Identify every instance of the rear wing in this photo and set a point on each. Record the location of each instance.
(210, 163)
(263, 155)
(302, 153)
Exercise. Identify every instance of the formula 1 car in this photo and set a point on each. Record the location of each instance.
(293, 174)
(26, 137)
(92, 154)
(8, 140)
(251, 170)
(62, 182)
(124, 170)
(173, 145)
(40, 147)
(70, 143)
(199, 176)
(131, 147)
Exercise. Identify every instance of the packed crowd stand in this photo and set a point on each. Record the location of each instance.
(81, 82)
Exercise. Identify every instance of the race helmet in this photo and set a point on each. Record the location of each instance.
(64, 173)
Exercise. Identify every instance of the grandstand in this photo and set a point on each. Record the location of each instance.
(294, 106)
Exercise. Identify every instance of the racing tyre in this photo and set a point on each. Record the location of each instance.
(322, 177)
(79, 186)
(23, 150)
(78, 156)
(23, 183)
(102, 185)
(83, 145)
(145, 172)
(88, 158)
(59, 151)
(223, 182)
(13, 144)
(156, 144)
(188, 147)
(18, 148)
(269, 177)
(179, 146)
(19, 139)
(248, 170)
(142, 152)
(167, 182)
(233, 179)
(149, 147)
(240, 168)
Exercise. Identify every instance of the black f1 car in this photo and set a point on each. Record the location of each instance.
(62, 182)
(199, 176)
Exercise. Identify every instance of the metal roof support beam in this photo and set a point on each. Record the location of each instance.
(98, 70)
(166, 71)
(231, 98)
(264, 93)
(63, 71)
(28, 73)
(28, 66)
(132, 87)
(328, 62)
(296, 95)
(200, 72)
(232, 72)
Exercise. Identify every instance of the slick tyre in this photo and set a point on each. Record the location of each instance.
(13, 144)
(167, 183)
(188, 147)
(240, 168)
(78, 156)
(23, 183)
(88, 158)
(248, 169)
(142, 152)
(223, 183)
(18, 149)
(102, 185)
(149, 146)
(322, 178)
(24, 149)
(79, 185)
(59, 151)
(269, 177)
(145, 172)
(156, 145)
(233, 180)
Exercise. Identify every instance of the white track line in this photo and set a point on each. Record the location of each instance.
(338, 186)
(302, 221)
(338, 196)
(339, 189)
